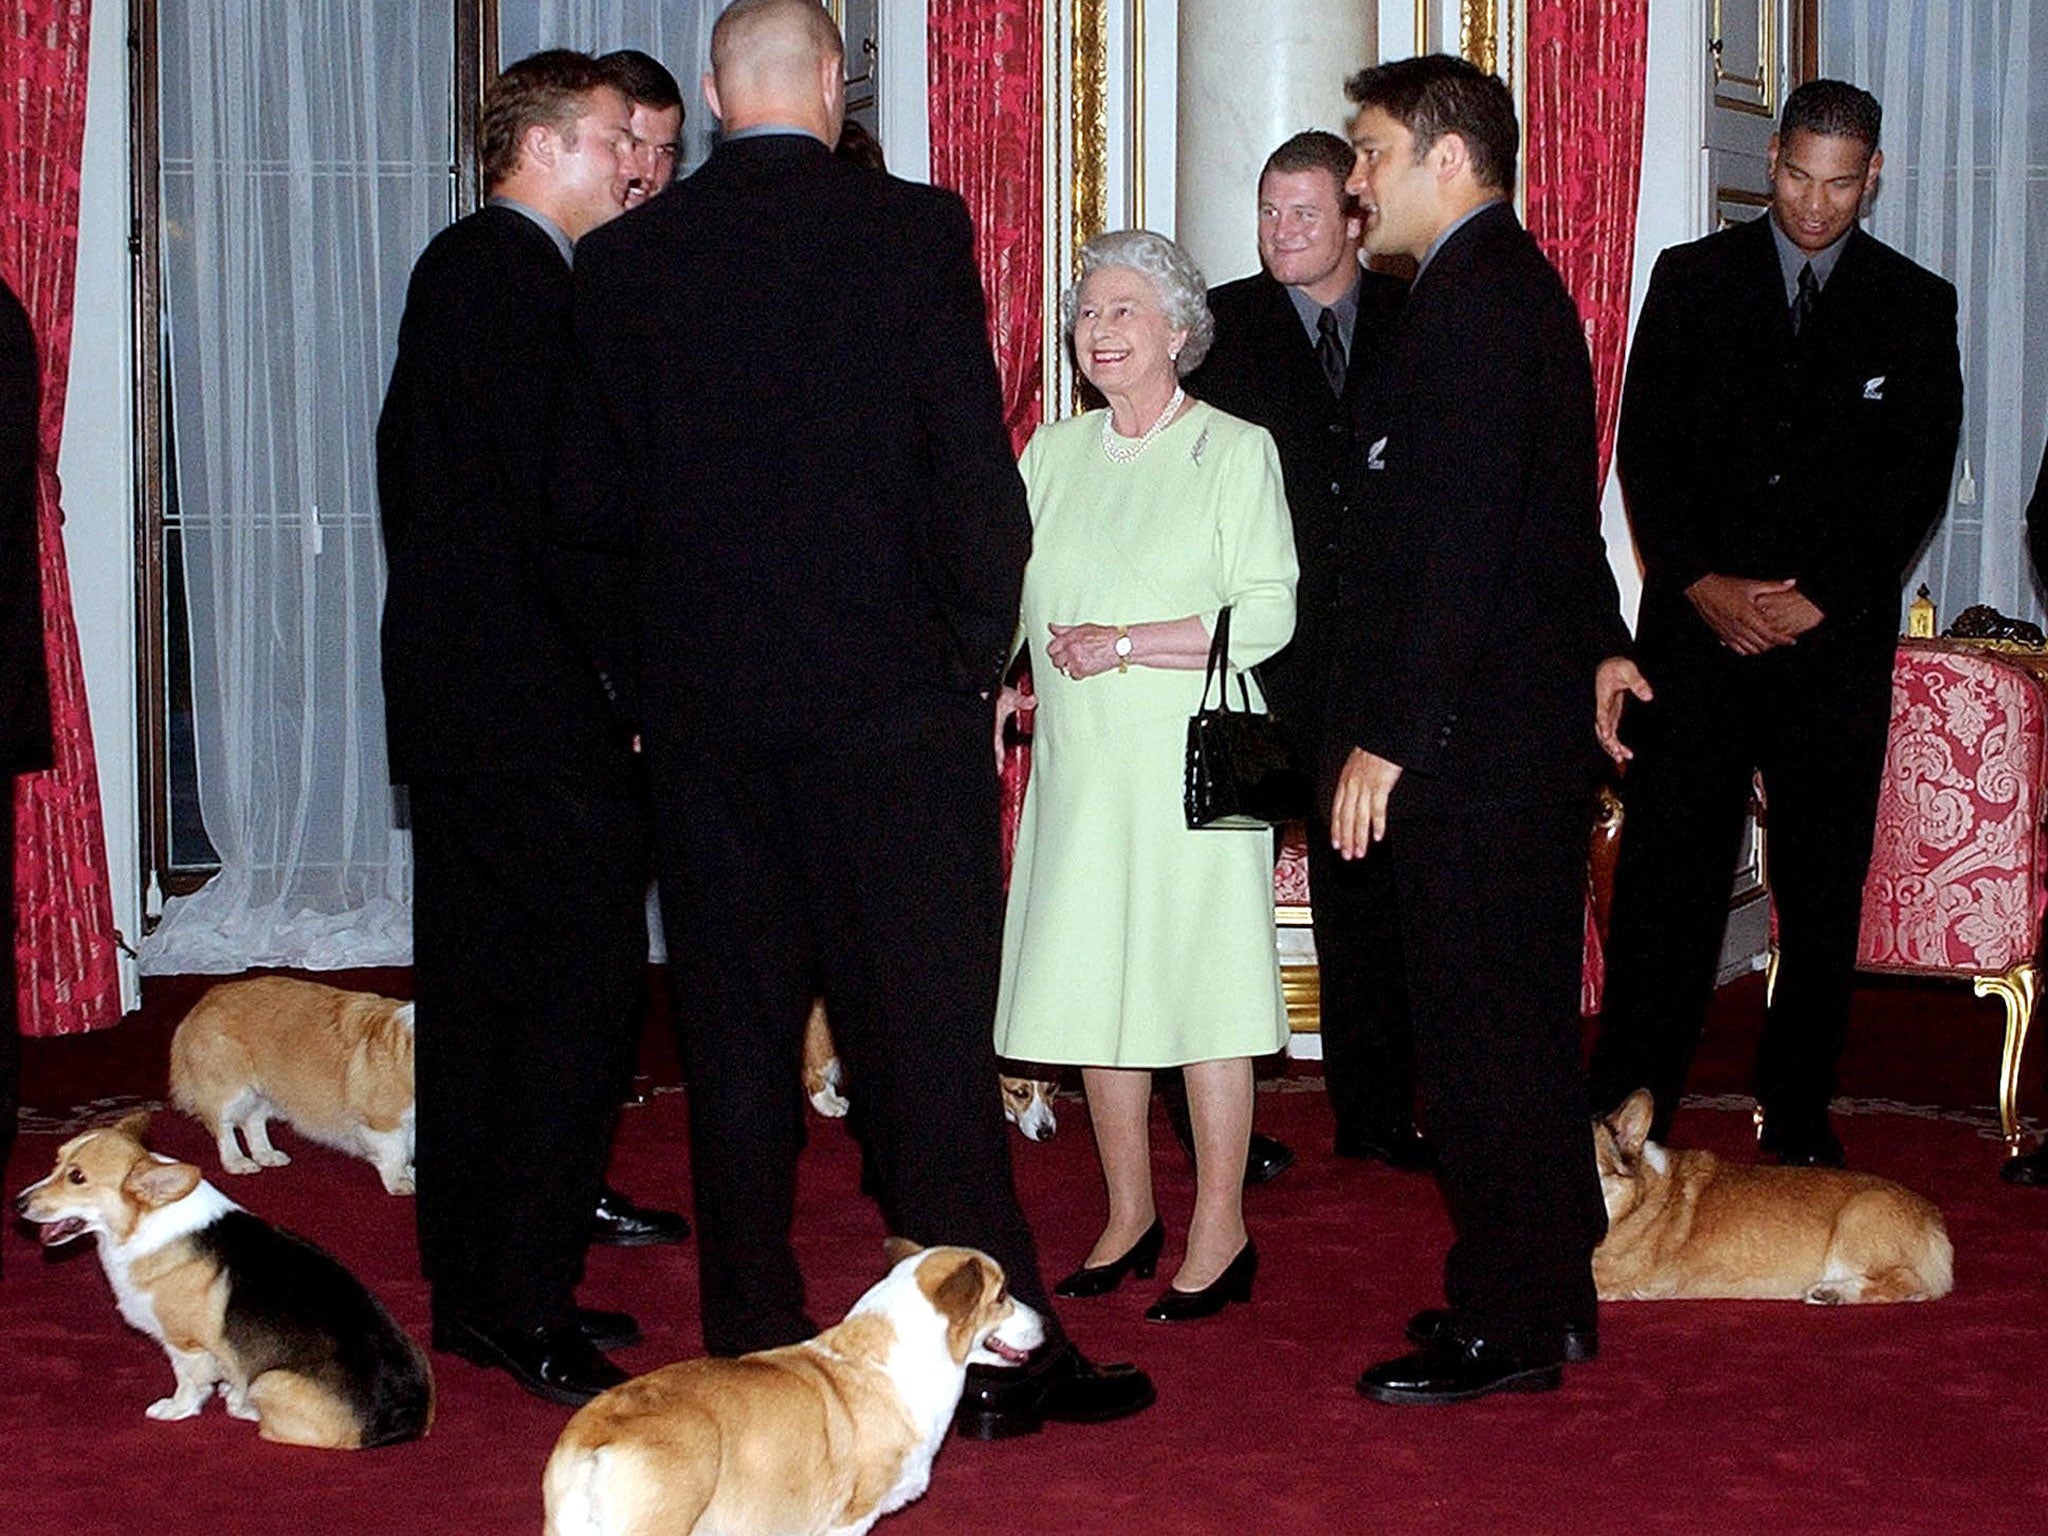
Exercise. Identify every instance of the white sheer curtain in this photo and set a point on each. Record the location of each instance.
(1965, 192)
(307, 146)
(677, 32)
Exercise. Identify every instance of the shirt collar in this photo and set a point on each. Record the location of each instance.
(1791, 258)
(555, 232)
(769, 130)
(1345, 309)
(1438, 243)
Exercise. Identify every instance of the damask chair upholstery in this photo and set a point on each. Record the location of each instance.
(1958, 877)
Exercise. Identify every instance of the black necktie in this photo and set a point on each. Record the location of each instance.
(1330, 351)
(1802, 302)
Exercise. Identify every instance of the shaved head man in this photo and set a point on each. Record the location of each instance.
(777, 62)
(807, 548)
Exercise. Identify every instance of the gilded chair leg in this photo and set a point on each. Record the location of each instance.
(1771, 973)
(2017, 989)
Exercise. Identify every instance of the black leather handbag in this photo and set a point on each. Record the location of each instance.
(1240, 771)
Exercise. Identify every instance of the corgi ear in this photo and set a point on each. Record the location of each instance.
(958, 1300)
(135, 1125)
(153, 1184)
(1631, 1122)
(899, 1248)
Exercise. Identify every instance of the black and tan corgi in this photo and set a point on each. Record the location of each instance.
(290, 1338)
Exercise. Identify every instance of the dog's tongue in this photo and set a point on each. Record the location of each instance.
(60, 1231)
(1007, 1352)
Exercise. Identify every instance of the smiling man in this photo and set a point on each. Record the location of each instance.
(1787, 435)
(1295, 344)
(1476, 608)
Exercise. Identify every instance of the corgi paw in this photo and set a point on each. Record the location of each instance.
(400, 1183)
(830, 1103)
(167, 1408)
(1827, 1296)
(270, 1157)
(240, 1164)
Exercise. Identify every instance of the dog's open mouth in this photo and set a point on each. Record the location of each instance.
(60, 1231)
(1010, 1354)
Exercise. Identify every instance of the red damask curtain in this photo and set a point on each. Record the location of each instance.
(1584, 157)
(64, 918)
(986, 115)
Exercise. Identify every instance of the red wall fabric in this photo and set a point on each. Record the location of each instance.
(1584, 158)
(64, 933)
(987, 113)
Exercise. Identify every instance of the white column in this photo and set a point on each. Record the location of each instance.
(1253, 73)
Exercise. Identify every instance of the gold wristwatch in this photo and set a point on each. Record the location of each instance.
(1123, 648)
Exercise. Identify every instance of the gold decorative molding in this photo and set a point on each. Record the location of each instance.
(1134, 108)
(1091, 120)
(2017, 989)
(1479, 34)
(1302, 988)
(1764, 103)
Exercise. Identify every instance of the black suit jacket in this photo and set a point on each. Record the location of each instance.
(1743, 454)
(788, 482)
(481, 670)
(1477, 601)
(24, 678)
(1263, 367)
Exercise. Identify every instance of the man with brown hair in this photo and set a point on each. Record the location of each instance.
(1296, 343)
(657, 117)
(529, 837)
(1477, 612)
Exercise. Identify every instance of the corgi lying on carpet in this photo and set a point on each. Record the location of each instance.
(1027, 1101)
(290, 1337)
(335, 1066)
(824, 1436)
(1686, 1224)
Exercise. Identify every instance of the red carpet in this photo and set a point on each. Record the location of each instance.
(1697, 1417)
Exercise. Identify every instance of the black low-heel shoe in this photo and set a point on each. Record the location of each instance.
(1234, 1284)
(1140, 1259)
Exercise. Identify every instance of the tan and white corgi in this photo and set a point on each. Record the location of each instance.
(1027, 1101)
(824, 1436)
(1687, 1225)
(291, 1338)
(335, 1066)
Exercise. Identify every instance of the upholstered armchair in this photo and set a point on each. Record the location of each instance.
(1958, 878)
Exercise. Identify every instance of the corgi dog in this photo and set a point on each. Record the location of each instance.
(1687, 1225)
(291, 1338)
(1027, 1101)
(335, 1066)
(824, 1436)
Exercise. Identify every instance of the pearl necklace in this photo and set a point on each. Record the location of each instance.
(1122, 450)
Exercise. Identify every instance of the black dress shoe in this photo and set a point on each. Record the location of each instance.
(554, 1361)
(1800, 1141)
(1402, 1146)
(1055, 1384)
(606, 1330)
(1432, 1326)
(2031, 1169)
(1140, 1259)
(1266, 1159)
(618, 1221)
(1234, 1284)
(1456, 1370)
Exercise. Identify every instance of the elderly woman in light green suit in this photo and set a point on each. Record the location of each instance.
(1132, 943)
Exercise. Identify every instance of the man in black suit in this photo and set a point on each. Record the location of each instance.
(529, 835)
(1476, 609)
(813, 540)
(24, 678)
(1295, 345)
(656, 105)
(1787, 435)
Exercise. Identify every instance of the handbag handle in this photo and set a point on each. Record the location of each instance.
(1219, 661)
